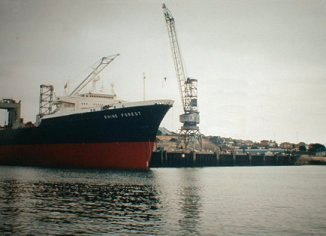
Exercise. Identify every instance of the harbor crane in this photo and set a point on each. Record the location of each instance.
(13, 108)
(189, 131)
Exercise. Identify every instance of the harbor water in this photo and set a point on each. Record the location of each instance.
(284, 200)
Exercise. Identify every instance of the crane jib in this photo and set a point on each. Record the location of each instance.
(187, 86)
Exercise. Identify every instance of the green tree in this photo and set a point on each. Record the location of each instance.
(315, 147)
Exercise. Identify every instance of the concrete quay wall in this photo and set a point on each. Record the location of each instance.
(193, 159)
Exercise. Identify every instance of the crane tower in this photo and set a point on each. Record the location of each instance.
(189, 131)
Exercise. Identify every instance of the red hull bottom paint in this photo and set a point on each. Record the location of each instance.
(119, 155)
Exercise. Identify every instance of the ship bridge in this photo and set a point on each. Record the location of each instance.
(13, 109)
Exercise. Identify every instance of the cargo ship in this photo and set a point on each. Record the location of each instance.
(92, 129)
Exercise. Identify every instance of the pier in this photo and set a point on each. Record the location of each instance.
(192, 159)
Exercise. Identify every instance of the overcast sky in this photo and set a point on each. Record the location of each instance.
(260, 64)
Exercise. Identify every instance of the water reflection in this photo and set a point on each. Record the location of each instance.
(76, 207)
(127, 207)
(180, 193)
(11, 198)
(190, 204)
(208, 201)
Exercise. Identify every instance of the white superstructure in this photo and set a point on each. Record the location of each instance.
(85, 102)
(79, 101)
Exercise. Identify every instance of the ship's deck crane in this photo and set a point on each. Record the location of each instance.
(93, 76)
(47, 102)
(187, 88)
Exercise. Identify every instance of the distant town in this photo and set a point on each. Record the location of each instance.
(168, 141)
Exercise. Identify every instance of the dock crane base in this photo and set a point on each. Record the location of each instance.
(190, 140)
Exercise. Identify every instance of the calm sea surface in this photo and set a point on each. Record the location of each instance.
(196, 201)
